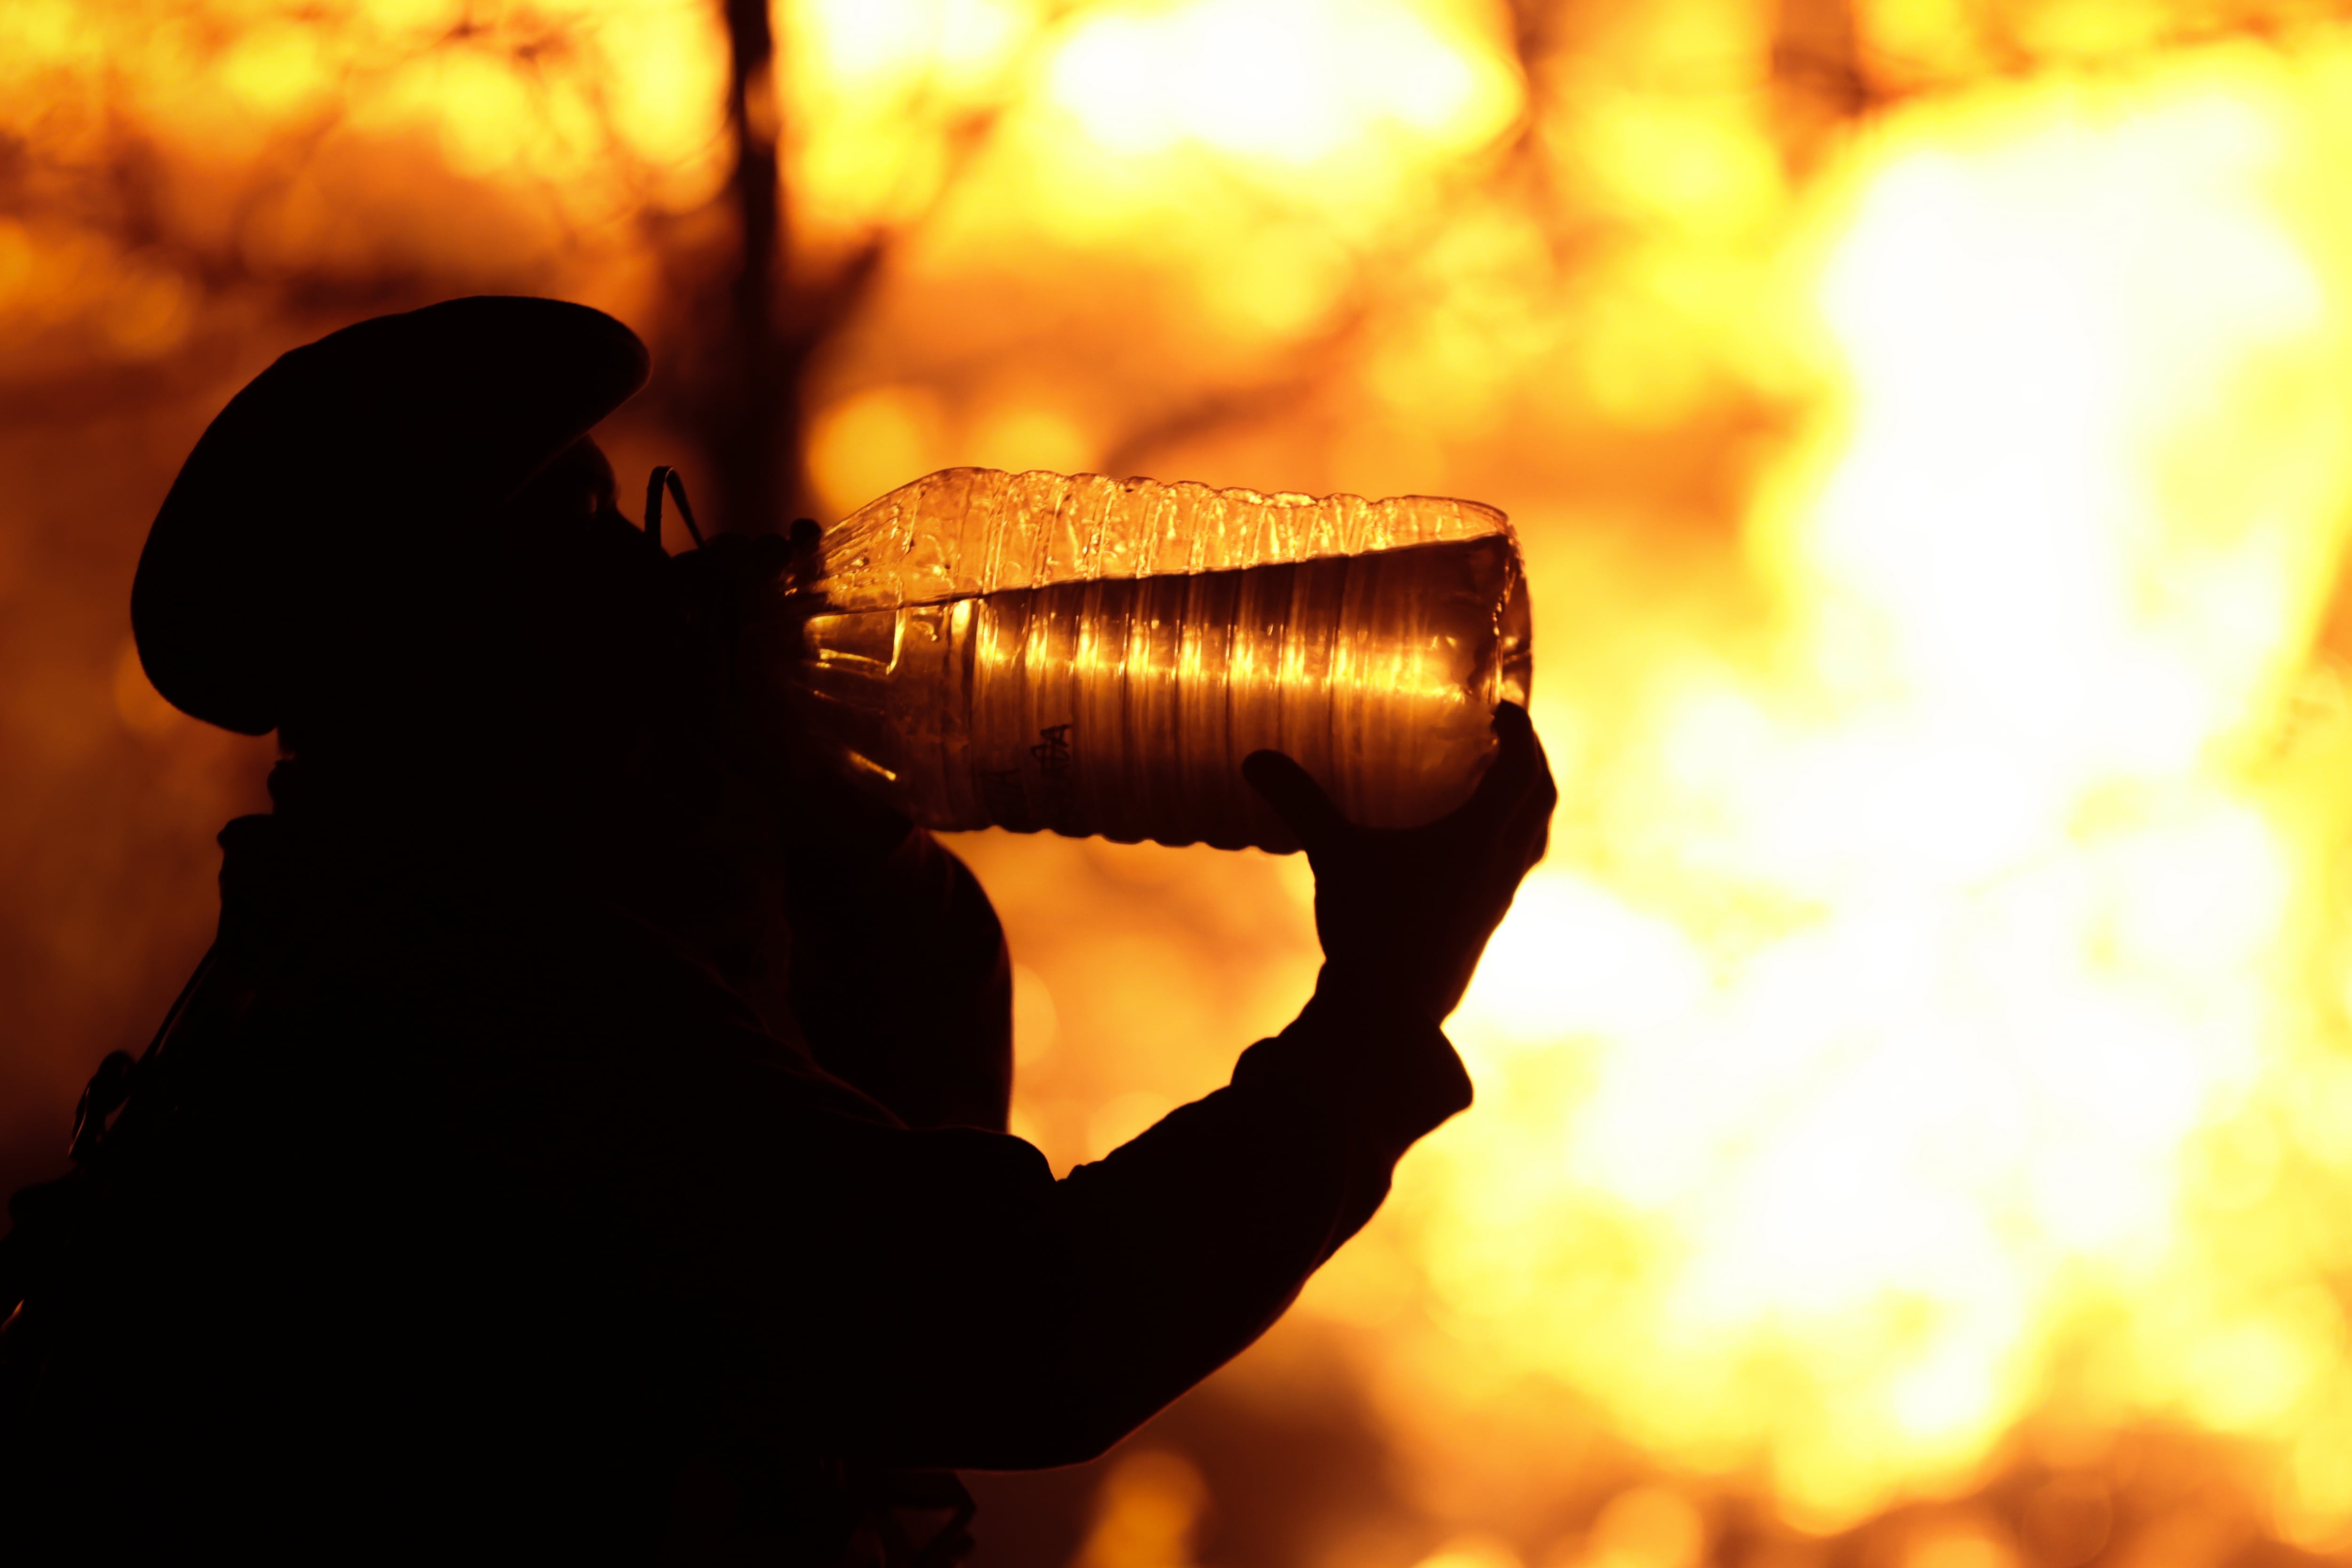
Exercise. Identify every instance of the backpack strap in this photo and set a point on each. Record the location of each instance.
(128, 1109)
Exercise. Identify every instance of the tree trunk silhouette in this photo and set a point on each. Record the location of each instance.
(751, 411)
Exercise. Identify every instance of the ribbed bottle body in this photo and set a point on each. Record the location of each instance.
(1122, 702)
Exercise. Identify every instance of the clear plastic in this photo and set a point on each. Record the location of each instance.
(1092, 656)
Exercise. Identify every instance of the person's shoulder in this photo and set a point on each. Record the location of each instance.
(504, 957)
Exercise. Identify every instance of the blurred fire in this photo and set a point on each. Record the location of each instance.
(1915, 1095)
(1945, 1057)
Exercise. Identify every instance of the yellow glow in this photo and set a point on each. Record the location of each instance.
(1646, 1527)
(1962, 1543)
(1036, 1023)
(1019, 433)
(1958, 1043)
(870, 42)
(868, 443)
(1146, 1513)
(276, 69)
(1472, 1552)
(1294, 80)
(338, 139)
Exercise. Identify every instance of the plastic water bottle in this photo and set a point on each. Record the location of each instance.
(1091, 655)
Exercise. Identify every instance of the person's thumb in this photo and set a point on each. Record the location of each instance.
(1295, 797)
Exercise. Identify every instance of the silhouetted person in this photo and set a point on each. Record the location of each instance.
(586, 1139)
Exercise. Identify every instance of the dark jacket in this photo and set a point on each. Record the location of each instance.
(496, 1221)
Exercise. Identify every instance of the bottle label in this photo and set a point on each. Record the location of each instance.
(1057, 795)
(1043, 793)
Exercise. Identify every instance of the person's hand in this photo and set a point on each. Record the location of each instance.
(1405, 912)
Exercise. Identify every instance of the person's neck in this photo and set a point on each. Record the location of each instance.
(360, 804)
(675, 843)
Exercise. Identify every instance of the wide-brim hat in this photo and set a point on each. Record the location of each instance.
(328, 498)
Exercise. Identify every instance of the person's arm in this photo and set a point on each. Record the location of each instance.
(926, 1297)
(936, 1298)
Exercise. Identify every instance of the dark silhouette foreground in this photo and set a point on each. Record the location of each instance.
(586, 1140)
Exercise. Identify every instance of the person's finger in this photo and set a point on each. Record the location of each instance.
(1542, 791)
(1295, 797)
(1510, 773)
(1512, 824)
(1533, 834)
(1515, 737)
(1532, 806)
(1530, 823)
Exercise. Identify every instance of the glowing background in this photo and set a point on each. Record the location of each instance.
(1915, 1096)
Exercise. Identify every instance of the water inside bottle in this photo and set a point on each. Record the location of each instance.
(1123, 706)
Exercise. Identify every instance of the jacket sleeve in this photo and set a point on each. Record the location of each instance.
(936, 1297)
(901, 983)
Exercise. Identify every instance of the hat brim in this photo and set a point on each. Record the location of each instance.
(341, 479)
